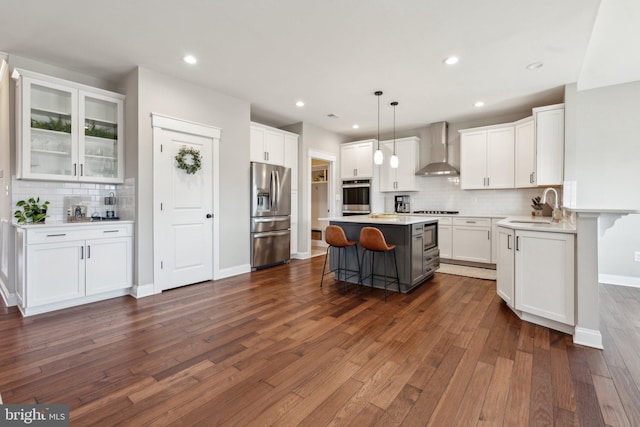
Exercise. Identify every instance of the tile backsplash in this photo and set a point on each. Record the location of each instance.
(63, 194)
(444, 193)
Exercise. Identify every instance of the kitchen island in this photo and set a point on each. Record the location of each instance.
(415, 238)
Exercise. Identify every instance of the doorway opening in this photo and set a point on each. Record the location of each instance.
(320, 209)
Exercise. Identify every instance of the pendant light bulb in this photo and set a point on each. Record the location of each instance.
(393, 161)
(378, 158)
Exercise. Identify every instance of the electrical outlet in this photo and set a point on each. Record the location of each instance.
(636, 256)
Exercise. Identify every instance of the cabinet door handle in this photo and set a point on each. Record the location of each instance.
(75, 169)
(517, 243)
(488, 235)
(81, 252)
(508, 241)
(533, 175)
(57, 235)
(470, 222)
(88, 251)
(488, 180)
(110, 231)
(81, 169)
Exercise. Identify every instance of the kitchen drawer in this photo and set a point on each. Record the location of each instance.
(67, 233)
(417, 229)
(473, 222)
(445, 220)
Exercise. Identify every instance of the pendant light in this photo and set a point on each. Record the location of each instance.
(393, 161)
(377, 156)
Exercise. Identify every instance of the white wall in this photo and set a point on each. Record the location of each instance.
(6, 242)
(616, 249)
(315, 138)
(163, 94)
(601, 156)
(607, 150)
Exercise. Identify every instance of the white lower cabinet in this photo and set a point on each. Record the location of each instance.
(444, 237)
(536, 275)
(544, 274)
(505, 264)
(63, 266)
(471, 239)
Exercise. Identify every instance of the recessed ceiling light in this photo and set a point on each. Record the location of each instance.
(300, 104)
(478, 104)
(190, 59)
(451, 60)
(534, 65)
(356, 126)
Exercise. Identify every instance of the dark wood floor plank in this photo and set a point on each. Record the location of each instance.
(494, 405)
(272, 348)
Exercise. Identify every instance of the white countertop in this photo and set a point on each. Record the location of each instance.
(536, 224)
(403, 219)
(461, 215)
(72, 224)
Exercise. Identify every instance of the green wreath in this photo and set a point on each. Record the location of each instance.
(196, 160)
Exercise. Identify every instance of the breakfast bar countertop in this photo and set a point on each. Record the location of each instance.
(390, 219)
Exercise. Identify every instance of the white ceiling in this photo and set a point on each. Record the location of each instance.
(333, 54)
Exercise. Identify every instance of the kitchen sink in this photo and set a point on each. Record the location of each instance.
(531, 221)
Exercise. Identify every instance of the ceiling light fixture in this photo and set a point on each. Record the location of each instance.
(378, 158)
(534, 65)
(300, 104)
(393, 161)
(451, 60)
(356, 126)
(478, 104)
(190, 59)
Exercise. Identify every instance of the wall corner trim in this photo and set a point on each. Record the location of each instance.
(587, 337)
(142, 291)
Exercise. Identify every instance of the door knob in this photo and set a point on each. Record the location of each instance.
(209, 216)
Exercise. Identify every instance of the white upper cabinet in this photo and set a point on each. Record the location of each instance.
(356, 160)
(549, 145)
(525, 153)
(267, 144)
(487, 157)
(67, 131)
(402, 178)
(540, 148)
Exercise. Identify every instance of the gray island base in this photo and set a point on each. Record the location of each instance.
(417, 252)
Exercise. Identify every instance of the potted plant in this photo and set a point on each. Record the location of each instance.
(32, 211)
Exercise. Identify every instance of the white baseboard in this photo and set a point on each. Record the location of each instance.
(233, 271)
(587, 337)
(10, 298)
(614, 279)
(303, 255)
(141, 291)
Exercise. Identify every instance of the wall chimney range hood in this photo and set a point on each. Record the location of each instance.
(439, 165)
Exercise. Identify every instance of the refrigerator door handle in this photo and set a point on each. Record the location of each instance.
(271, 233)
(271, 219)
(277, 191)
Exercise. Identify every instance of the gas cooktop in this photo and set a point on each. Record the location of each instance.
(437, 212)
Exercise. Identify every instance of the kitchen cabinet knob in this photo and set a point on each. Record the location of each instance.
(209, 215)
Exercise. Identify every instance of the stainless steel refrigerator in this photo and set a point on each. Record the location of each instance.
(270, 215)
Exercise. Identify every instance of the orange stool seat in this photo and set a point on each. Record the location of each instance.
(372, 240)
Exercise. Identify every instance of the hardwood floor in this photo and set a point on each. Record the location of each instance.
(273, 348)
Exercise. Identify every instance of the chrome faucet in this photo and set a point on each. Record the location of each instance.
(557, 213)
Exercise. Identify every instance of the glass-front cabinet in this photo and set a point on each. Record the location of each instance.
(68, 131)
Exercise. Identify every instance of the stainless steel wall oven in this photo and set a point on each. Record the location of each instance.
(355, 197)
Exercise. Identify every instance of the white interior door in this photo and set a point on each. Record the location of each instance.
(183, 211)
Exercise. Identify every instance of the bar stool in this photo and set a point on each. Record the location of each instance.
(336, 238)
(372, 240)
